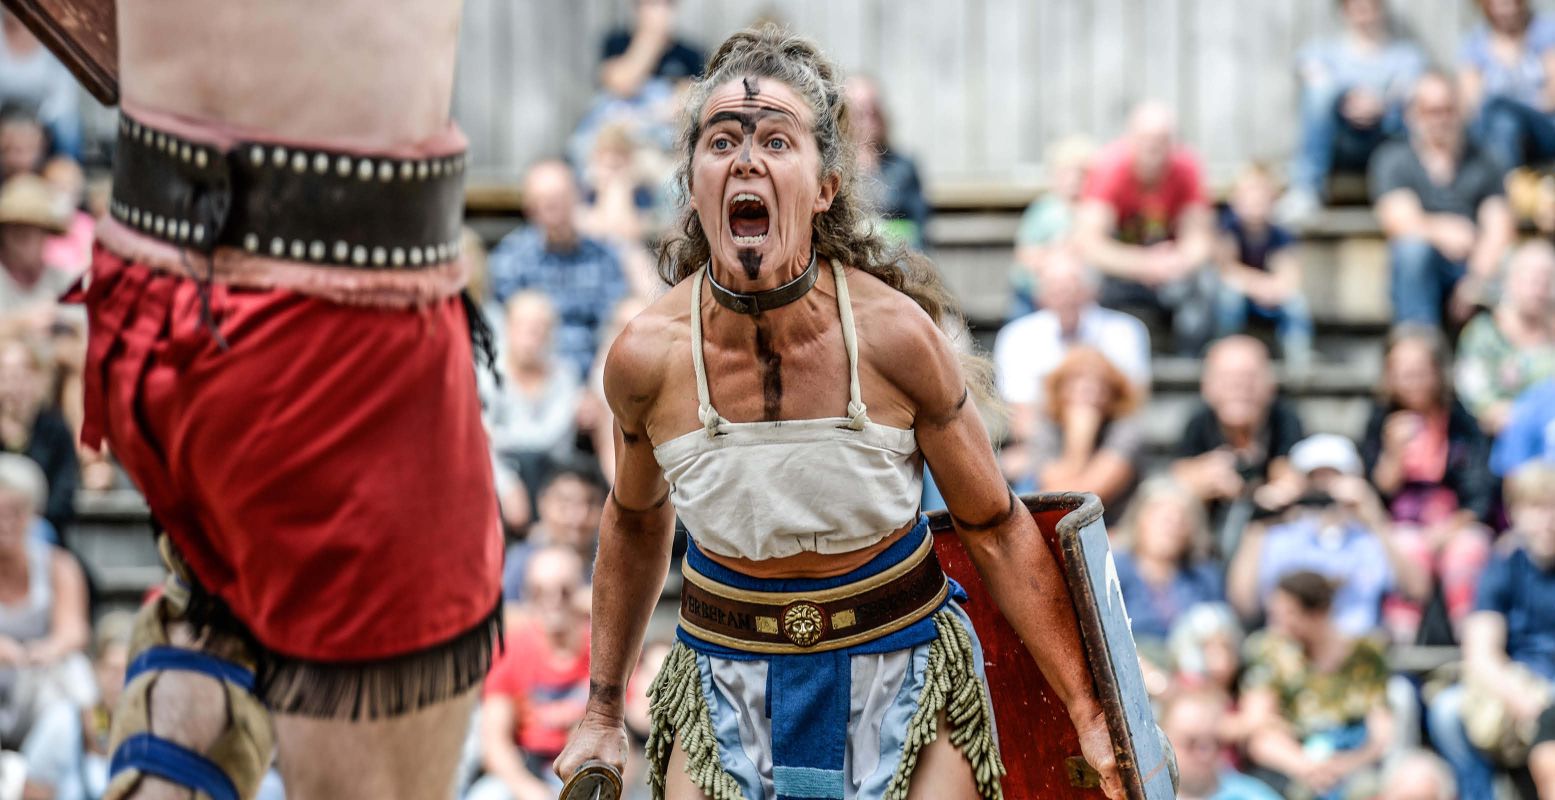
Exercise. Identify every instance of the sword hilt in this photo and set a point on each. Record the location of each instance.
(595, 780)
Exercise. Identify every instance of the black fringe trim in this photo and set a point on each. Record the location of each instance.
(482, 340)
(390, 687)
(352, 690)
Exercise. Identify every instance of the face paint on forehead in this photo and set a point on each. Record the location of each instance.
(747, 102)
(747, 119)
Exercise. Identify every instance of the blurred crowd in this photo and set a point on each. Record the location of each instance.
(61, 664)
(1276, 579)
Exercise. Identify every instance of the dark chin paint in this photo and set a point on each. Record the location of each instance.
(751, 261)
(771, 364)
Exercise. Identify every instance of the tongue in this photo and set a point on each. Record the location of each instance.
(748, 225)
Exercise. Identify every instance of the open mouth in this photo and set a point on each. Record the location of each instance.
(748, 219)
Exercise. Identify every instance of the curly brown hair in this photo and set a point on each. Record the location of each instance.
(844, 232)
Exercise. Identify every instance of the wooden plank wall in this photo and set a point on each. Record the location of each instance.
(976, 88)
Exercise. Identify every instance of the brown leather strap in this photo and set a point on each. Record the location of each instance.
(795, 622)
(314, 206)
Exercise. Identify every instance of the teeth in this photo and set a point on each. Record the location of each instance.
(749, 241)
(746, 196)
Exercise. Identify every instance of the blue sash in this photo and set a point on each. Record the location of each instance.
(809, 695)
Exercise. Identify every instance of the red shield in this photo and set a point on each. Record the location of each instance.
(1040, 747)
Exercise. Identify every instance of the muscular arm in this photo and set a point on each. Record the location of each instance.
(1000, 536)
(635, 532)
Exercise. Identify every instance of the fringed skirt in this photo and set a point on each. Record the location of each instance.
(845, 724)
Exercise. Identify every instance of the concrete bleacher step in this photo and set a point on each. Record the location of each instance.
(112, 536)
(1340, 222)
(1343, 253)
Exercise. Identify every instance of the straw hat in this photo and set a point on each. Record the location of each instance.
(29, 200)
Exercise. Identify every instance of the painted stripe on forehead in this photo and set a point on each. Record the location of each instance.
(747, 119)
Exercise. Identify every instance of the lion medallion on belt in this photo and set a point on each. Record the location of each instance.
(803, 623)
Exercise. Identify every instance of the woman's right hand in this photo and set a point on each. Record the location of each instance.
(1399, 428)
(597, 738)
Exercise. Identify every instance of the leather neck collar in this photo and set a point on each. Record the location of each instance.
(757, 302)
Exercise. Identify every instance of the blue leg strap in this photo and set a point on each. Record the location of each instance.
(172, 762)
(175, 658)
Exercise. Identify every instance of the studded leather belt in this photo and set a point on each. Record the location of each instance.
(315, 206)
(800, 622)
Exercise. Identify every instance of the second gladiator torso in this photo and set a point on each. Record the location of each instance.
(292, 145)
(363, 73)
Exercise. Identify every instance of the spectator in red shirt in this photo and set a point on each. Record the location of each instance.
(538, 687)
(1144, 222)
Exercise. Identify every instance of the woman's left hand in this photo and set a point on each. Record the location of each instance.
(1096, 746)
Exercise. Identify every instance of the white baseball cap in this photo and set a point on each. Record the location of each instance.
(1326, 450)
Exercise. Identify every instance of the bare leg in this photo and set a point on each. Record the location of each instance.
(412, 757)
(677, 783)
(942, 771)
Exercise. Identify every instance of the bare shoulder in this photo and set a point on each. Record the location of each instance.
(893, 326)
(636, 364)
(905, 346)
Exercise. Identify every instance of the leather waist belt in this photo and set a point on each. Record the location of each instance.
(828, 619)
(315, 206)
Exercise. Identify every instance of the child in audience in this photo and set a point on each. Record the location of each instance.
(1260, 269)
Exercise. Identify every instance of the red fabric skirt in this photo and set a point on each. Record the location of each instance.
(325, 474)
